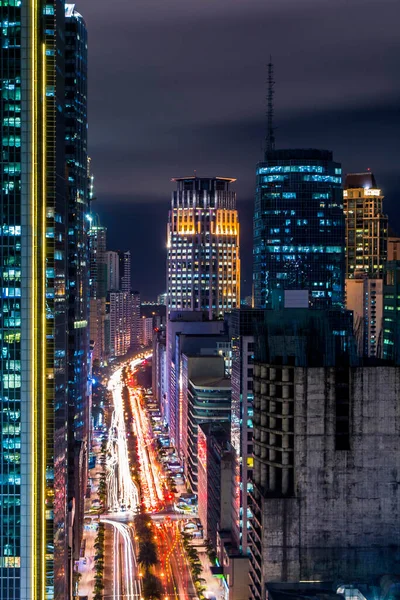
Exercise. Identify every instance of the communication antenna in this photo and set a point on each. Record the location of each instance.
(270, 138)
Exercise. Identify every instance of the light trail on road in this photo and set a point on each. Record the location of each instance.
(131, 588)
(122, 492)
(152, 488)
(122, 497)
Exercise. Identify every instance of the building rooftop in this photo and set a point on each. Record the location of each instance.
(298, 154)
(360, 180)
(211, 382)
(228, 179)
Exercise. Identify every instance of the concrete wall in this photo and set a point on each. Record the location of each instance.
(343, 522)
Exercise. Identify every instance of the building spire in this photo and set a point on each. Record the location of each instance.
(270, 137)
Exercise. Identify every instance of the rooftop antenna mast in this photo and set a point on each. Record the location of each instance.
(270, 138)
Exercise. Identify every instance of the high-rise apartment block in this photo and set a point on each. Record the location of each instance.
(120, 324)
(366, 226)
(299, 228)
(203, 246)
(325, 503)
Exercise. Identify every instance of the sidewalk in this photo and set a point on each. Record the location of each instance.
(212, 585)
(86, 562)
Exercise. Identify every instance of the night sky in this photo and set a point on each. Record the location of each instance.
(178, 85)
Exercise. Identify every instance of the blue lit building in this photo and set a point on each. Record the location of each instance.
(33, 303)
(299, 228)
(79, 388)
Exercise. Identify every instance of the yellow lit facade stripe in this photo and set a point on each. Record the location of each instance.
(42, 332)
(33, 203)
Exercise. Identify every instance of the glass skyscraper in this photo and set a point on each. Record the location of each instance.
(79, 388)
(33, 315)
(299, 228)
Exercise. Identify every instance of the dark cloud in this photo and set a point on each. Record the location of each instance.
(180, 85)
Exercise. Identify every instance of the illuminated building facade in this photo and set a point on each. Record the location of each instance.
(79, 388)
(33, 326)
(366, 226)
(203, 266)
(299, 227)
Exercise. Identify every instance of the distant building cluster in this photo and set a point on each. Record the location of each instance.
(284, 409)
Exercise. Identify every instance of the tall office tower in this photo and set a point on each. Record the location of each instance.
(98, 288)
(135, 320)
(299, 228)
(79, 392)
(121, 301)
(366, 226)
(203, 265)
(33, 313)
(112, 261)
(366, 255)
(125, 271)
(320, 496)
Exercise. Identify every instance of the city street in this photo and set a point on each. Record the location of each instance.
(123, 502)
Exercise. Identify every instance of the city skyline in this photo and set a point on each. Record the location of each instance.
(238, 438)
(324, 99)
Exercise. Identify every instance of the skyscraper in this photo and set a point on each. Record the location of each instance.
(33, 326)
(366, 226)
(98, 287)
(135, 320)
(112, 261)
(320, 498)
(203, 267)
(125, 271)
(299, 227)
(79, 389)
(366, 255)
